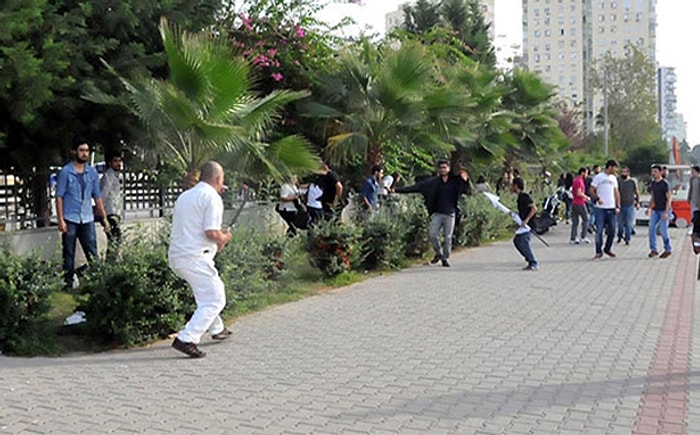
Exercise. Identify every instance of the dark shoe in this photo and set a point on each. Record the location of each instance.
(610, 254)
(189, 349)
(627, 242)
(436, 259)
(445, 263)
(531, 268)
(652, 254)
(619, 240)
(597, 256)
(665, 254)
(223, 335)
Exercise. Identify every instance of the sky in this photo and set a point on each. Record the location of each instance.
(677, 33)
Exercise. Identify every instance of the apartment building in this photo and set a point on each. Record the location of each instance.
(562, 39)
(672, 123)
(396, 18)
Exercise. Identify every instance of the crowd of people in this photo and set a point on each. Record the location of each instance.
(596, 202)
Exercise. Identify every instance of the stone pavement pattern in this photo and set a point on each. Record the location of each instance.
(482, 347)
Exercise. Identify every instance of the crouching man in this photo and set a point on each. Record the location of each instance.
(195, 239)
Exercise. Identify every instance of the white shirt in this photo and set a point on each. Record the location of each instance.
(196, 210)
(605, 186)
(313, 198)
(111, 190)
(287, 190)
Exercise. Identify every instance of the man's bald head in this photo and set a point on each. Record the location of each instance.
(210, 171)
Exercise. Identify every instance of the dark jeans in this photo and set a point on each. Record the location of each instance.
(114, 237)
(625, 222)
(605, 219)
(85, 233)
(289, 217)
(579, 214)
(315, 215)
(522, 244)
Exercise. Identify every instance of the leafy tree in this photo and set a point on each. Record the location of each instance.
(631, 84)
(421, 17)
(465, 18)
(641, 157)
(379, 96)
(51, 55)
(206, 109)
(571, 123)
(282, 40)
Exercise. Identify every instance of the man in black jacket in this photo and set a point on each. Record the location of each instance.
(441, 194)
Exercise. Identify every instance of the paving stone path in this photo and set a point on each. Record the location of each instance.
(582, 346)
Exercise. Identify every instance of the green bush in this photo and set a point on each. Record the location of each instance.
(252, 263)
(137, 298)
(383, 242)
(25, 286)
(412, 214)
(480, 221)
(333, 247)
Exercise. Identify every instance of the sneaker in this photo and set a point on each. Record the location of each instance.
(597, 256)
(223, 335)
(665, 254)
(586, 240)
(652, 254)
(445, 263)
(574, 242)
(531, 268)
(610, 254)
(189, 349)
(619, 240)
(436, 258)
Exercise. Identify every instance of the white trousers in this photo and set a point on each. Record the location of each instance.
(202, 276)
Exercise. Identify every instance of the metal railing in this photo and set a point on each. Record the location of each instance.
(27, 199)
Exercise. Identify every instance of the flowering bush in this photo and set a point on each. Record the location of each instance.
(333, 247)
(281, 39)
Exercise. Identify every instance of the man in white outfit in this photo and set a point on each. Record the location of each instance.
(195, 239)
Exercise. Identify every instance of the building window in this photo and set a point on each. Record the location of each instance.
(574, 56)
(613, 17)
(601, 17)
(602, 5)
(561, 32)
(613, 41)
(547, 32)
(537, 58)
(601, 29)
(613, 29)
(537, 33)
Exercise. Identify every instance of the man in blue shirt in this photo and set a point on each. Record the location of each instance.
(370, 190)
(77, 185)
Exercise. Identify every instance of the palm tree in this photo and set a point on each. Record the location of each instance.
(536, 129)
(206, 109)
(377, 96)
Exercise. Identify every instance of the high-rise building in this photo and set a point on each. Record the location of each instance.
(396, 18)
(672, 123)
(563, 38)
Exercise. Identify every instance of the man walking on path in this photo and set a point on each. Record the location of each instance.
(77, 185)
(111, 189)
(604, 187)
(441, 195)
(526, 211)
(195, 239)
(694, 199)
(579, 212)
(629, 202)
(658, 212)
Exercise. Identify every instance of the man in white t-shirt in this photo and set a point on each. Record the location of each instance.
(604, 187)
(195, 239)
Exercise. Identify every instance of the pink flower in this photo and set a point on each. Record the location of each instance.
(272, 52)
(247, 22)
(277, 76)
(299, 31)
